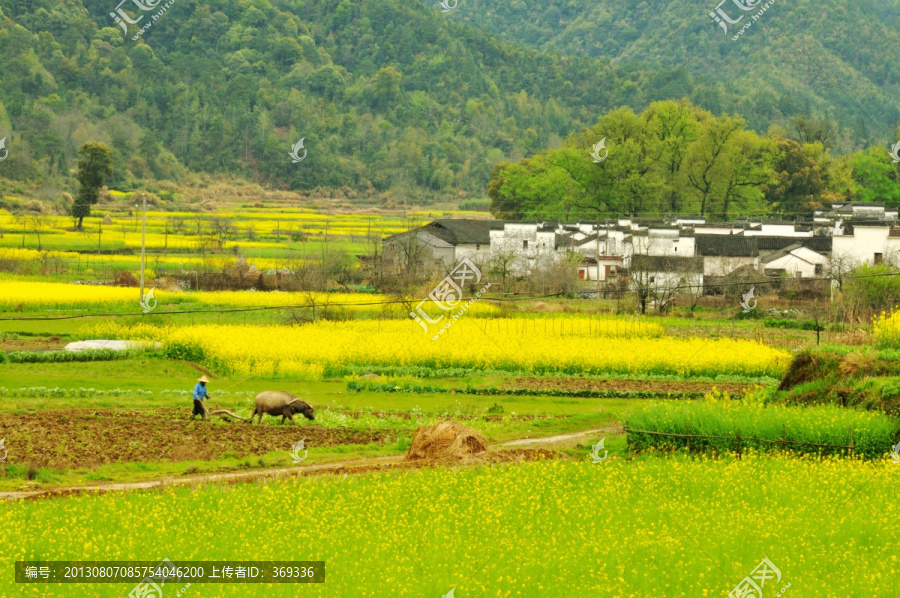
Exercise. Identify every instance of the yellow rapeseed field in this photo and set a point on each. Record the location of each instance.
(886, 329)
(650, 527)
(569, 345)
(58, 294)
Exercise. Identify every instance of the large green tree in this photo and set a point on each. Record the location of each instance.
(798, 183)
(95, 164)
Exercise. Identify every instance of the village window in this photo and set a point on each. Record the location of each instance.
(818, 268)
(477, 247)
(392, 246)
(524, 244)
(879, 258)
(676, 250)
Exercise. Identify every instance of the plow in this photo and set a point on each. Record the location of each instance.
(224, 413)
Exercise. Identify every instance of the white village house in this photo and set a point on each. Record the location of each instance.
(690, 251)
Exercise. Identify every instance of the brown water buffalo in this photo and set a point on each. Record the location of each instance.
(277, 403)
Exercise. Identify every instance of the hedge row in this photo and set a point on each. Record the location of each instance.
(355, 386)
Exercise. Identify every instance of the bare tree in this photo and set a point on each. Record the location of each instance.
(503, 265)
(839, 266)
(175, 224)
(373, 262)
(37, 221)
(408, 253)
(21, 220)
(222, 227)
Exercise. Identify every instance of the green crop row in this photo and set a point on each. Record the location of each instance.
(63, 356)
(355, 386)
(762, 427)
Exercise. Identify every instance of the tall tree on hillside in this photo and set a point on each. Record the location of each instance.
(750, 168)
(708, 157)
(810, 130)
(799, 186)
(676, 126)
(94, 165)
(877, 177)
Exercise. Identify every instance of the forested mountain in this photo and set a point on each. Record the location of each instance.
(834, 59)
(387, 94)
(394, 99)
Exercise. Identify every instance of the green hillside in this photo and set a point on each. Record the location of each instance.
(836, 59)
(396, 100)
(388, 96)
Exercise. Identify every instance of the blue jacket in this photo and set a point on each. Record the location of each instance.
(200, 392)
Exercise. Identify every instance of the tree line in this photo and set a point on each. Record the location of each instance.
(677, 159)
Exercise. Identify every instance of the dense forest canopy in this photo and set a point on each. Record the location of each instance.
(386, 94)
(397, 99)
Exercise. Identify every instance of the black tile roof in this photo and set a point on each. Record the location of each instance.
(464, 231)
(774, 243)
(727, 246)
(666, 263)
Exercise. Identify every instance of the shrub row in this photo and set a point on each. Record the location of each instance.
(62, 393)
(81, 392)
(355, 386)
(64, 356)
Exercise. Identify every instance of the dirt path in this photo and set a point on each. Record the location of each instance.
(238, 476)
(562, 438)
(353, 465)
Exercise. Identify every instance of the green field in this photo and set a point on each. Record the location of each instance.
(624, 528)
(539, 514)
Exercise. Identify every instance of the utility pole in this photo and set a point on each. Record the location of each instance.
(143, 239)
(598, 256)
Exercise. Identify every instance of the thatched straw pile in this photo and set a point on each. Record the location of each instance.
(447, 440)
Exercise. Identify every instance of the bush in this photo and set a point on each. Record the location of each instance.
(870, 289)
(184, 351)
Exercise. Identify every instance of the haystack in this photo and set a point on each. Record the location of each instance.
(447, 440)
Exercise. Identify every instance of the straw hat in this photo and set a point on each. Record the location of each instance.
(202, 379)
